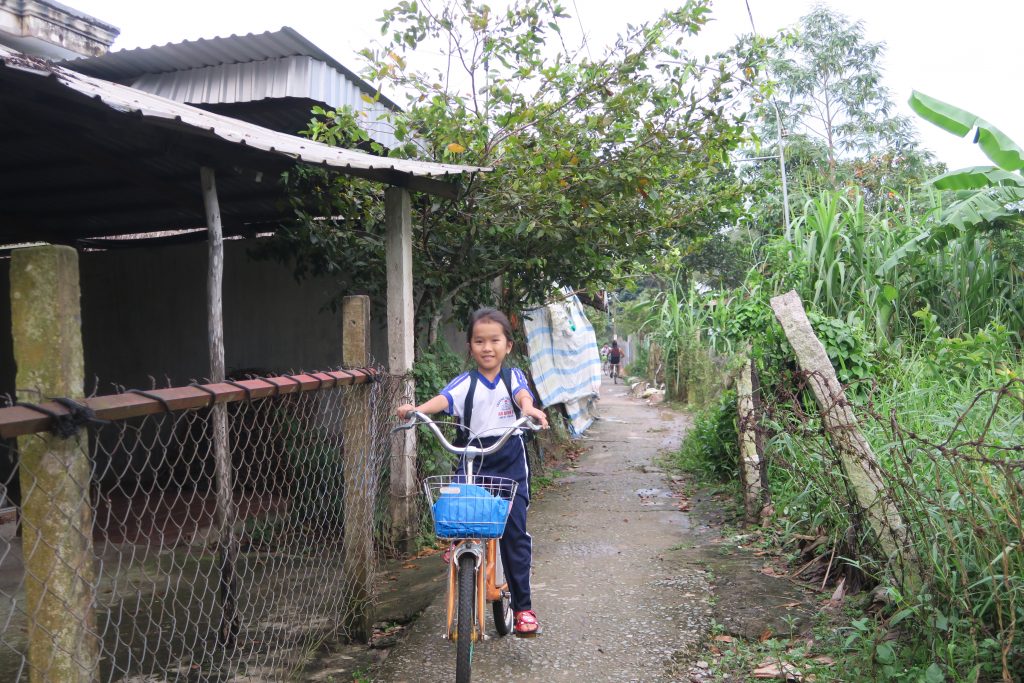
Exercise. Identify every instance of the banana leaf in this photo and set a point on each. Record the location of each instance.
(977, 177)
(1003, 151)
(976, 209)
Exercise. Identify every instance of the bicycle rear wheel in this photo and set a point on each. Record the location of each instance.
(502, 608)
(467, 618)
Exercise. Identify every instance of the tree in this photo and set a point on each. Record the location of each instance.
(595, 160)
(830, 79)
(836, 114)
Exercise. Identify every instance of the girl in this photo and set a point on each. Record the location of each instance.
(491, 410)
(614, 359)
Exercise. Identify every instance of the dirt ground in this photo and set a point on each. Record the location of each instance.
(628, 581)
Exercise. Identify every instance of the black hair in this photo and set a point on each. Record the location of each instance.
(615, 344)
(491, 315)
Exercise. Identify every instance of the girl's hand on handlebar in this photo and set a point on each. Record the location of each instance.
(538, 416)
(403, 411)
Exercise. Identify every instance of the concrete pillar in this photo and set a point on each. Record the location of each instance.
(859, 464)
(401, 338)
(56, 516)
(750, 460)
(360, 477)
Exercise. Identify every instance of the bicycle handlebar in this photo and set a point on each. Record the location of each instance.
(471, 451)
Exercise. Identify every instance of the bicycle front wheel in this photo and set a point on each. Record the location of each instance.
(467, 618)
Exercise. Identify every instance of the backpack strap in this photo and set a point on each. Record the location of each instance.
(467, 407)
(467, 412)
(506, 377)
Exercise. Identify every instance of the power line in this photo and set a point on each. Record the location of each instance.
(579, 20)
(751, 15)
(778, 124)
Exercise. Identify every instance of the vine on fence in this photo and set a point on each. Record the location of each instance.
(960, 501)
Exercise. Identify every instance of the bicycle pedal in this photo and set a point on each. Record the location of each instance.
(532, 634)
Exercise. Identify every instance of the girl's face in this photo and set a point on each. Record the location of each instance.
(489, 345)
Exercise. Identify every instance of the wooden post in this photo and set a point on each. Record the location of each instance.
(360, 479)
(401, 336)
(56, 516)
(750, 461)
(858, 461)
(228, 543)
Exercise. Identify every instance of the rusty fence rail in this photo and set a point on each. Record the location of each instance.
(175, 585)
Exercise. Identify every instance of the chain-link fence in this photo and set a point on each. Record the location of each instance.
(138, 552)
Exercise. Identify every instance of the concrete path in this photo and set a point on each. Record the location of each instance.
(617, 599)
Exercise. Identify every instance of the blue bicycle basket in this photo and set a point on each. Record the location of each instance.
(467, 511)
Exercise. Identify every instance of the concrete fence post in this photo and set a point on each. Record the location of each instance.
(359, 475)
(859, 464)
(56, 515)
(750, 460)
(401, 351)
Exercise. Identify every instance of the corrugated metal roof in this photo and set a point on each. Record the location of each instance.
(130, 100)
(124, 66)
(85, 158)
(301, 77)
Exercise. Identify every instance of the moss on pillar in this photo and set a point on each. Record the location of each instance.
(56, 516)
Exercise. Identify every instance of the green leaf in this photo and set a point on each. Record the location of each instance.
(945, 116)
(934, 674)
(999, 148)
(982, 207)
(910, 247)
(993, 142)
(885, 654)
(976, 177)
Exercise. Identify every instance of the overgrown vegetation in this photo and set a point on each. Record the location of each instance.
(914, 289)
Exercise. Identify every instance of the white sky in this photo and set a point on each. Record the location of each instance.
(963, 53)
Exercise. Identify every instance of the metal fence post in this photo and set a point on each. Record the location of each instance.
(56, 521)
(360, 479)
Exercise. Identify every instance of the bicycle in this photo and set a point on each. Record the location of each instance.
(613, 372)
(470, 511)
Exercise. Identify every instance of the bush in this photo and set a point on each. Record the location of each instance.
(639, 366)
(433, 369)
(711, 447)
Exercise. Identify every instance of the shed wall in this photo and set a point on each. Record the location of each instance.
(144, 316)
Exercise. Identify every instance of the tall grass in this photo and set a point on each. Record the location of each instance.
(881, 268)
(947, 459)
(679, 321)
(933, 331)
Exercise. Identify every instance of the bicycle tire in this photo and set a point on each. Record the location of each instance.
(503, 616)
(467, 619)
(501, 609)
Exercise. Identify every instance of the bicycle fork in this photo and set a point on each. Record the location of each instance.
(487, 589)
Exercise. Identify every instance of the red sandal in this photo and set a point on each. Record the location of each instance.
(526, 623)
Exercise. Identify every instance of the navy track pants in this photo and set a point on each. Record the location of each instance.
(516, 544)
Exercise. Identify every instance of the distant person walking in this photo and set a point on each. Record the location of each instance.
(604, 357)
